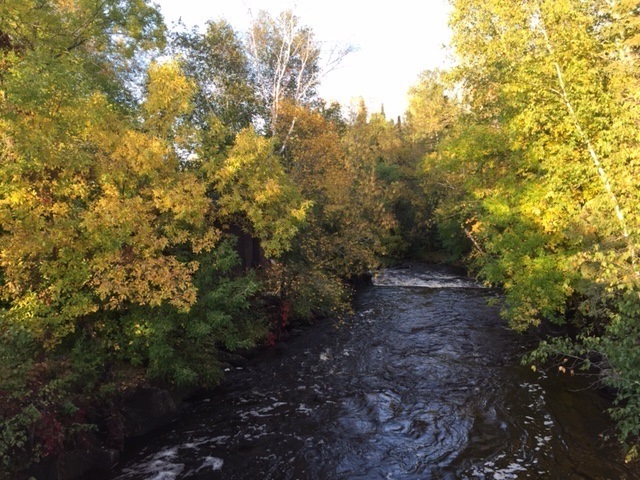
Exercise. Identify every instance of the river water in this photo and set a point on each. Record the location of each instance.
(424, 382)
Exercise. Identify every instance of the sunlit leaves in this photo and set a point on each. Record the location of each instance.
(556, 202)
(90, 203)
(168, 97)
(252, 182)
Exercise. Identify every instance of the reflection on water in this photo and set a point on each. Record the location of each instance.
(422, 383)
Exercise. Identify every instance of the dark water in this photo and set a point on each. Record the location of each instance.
(423, 383)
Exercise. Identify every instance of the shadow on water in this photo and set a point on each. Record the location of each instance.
(424, 382)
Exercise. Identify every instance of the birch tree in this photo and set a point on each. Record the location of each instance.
(549, 150)
(288, 63)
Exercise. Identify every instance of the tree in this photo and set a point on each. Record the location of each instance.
(218, 63)
(107, 37)
(254, 191)
(549, 152)
(286, 62)
(421, 182)
(432, 110)
(106, 235)
(343, 234)
(339, 240)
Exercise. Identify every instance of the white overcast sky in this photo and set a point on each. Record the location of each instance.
(395, 40)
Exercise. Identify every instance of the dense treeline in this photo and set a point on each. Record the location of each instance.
(133, 158)
(536, 174)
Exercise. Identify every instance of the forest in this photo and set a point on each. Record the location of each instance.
(137, 162)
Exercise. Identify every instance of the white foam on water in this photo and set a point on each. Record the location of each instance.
(164, 465)
(159, 466)
(198, 442)
(262, 412)
(507, 473)
(213, 463)
(507, 466)
(254, 432)
(408, 278)
(302, 408)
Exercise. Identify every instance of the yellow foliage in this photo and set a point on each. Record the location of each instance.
(251, 181)
(168, 97)
(90, 203)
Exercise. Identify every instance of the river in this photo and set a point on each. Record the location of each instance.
(423, 382)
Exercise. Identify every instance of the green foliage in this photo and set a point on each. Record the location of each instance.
(218, 63)
(44, 400)
(107, 40)
(181, 348)
(109, 259)
(541, 169)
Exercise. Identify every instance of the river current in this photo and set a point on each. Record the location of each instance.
(423, 382)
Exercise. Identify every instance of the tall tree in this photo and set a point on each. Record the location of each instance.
(432, 110)
(218, 63)
(288, 63)
(107, 36)
(548, 154)
(101, 225)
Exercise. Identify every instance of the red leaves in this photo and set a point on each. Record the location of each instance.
(285, 312)
(279, 324)
(51, 433)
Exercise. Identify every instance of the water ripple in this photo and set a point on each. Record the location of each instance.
(422, 383)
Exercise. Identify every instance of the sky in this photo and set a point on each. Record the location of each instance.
(394, 40)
